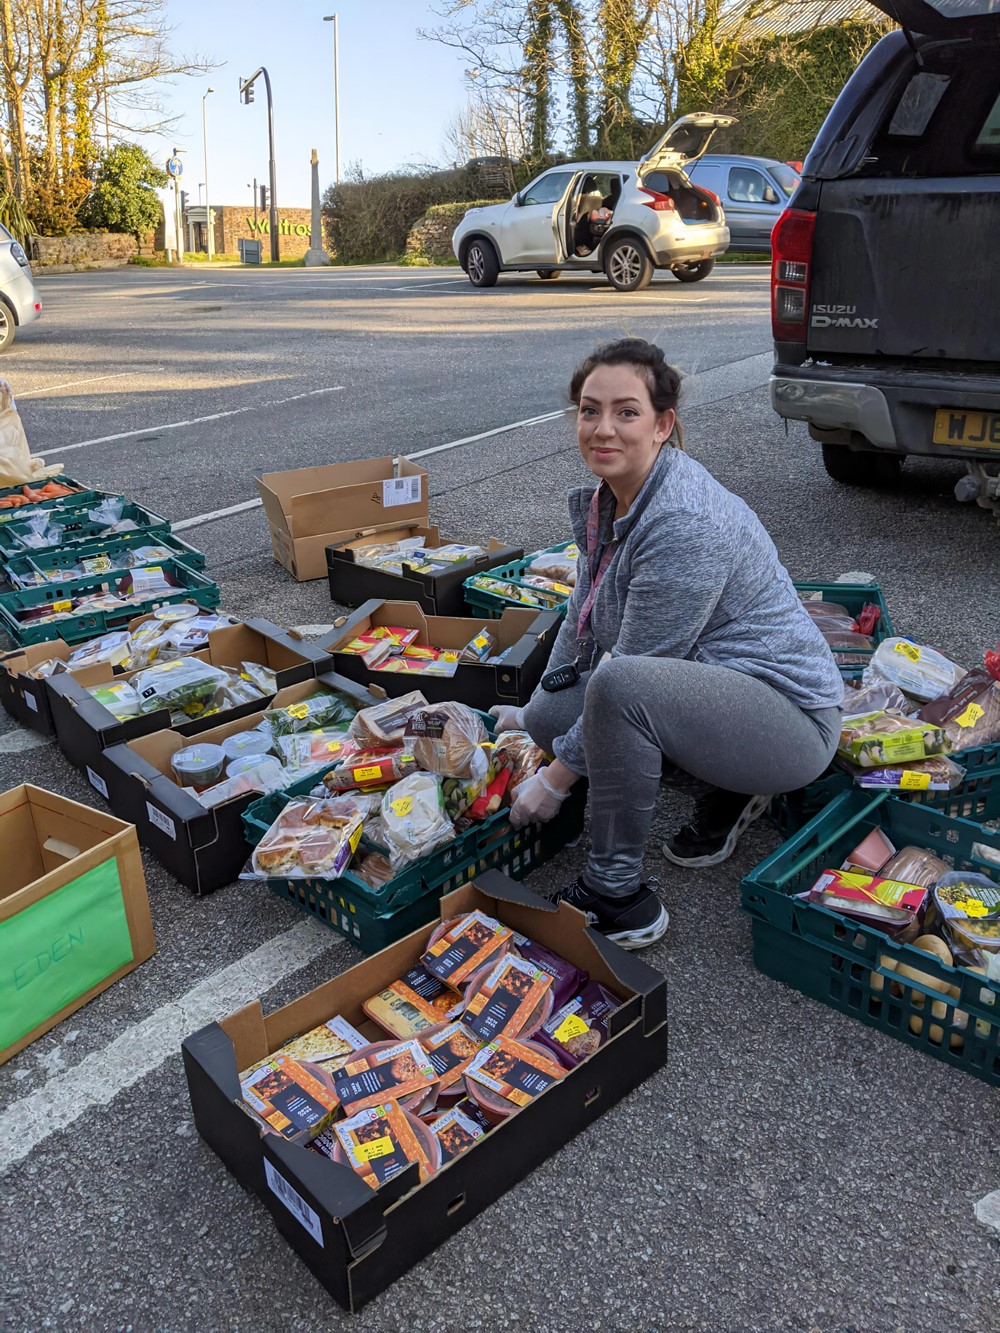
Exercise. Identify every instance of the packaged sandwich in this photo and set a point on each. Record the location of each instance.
(511, 998)
(380, 1142)
(448, 739)
(382, 725)
(289, 1098)
(415, 1004)
(456, 1133)
(310, 839)
(387, 1071)
(507, 1075)
(580, 1027)
(460, 947)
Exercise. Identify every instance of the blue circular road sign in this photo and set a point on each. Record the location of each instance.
(175, 167)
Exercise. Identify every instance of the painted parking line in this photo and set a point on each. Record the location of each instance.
(144, 1046)
(20, 740)
(213, 514)
(192, 421)
(94, 379)
(409, 286)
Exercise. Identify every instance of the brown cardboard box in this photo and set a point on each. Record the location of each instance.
(74, 915)
(309, 509)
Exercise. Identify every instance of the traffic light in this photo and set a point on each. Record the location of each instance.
(184, 201)
(265, 195)
(248, 94)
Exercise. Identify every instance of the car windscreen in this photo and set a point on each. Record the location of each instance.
(787, 177)
(946, 119)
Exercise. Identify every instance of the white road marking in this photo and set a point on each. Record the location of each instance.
(193, 421)
(144, 1046)
(20, 740)
(72, 384)
(214, 514)
(485, 435)
(409, 286)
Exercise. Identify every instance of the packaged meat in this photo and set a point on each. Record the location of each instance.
(382, 725)
(507, 1075)
(510, 998)
(458, 948)
(415, 1004)
(198, 765)
(118, 697)
(518, 752)
(889, 905)
(580, 1027)
(567, 978)
(969, 714)
(885, 739)
(386, 1071)
(914, 865)
(289, 1098)
(380, 1142)
(413, 819)
(969, 905)
(310, 839)
(871, 854)
(450, 1050)
(456, 1133)
(369, 768)
(922, 672)
(935, 774)
(841, 640)
(817, 609)
(322, 1050)
(448, 739)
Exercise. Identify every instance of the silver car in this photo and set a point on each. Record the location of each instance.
(754, 192)
(19, 300)
(624, 219)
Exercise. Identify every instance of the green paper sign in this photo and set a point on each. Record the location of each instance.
(57, 949)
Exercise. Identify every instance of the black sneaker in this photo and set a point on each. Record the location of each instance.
(720, 819)
(632, 923)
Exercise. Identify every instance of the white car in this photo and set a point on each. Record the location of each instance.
(624, 219)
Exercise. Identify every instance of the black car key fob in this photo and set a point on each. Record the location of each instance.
(561, 679)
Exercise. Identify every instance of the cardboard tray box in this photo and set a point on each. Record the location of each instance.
(440, 594)
(203, 848)
(528, 633)
(74, 915)
(309, 509)
(357, 1241)
(84, 727)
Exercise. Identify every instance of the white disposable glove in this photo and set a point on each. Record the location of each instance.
(508, 717)
(536, 802)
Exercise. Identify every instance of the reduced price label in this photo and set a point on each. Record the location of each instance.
(298, 710)
(971, 716)
(914, 781)
(380, 1147)
(909, 650)
(571, 1026)
(401, 806)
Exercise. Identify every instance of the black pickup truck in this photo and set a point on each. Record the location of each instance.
(885, 279)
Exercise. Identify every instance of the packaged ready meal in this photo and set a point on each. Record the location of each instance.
(888, 904)
(511, 998)
(415, 1004)
(969, 905)
(507, 1075)
(567, 978)
(458, 948)
(289, 1098)
(325, 1048)
(380, 1142)
(456, 1133)
(387, 1071)
(450, 1050)
(580, 1027)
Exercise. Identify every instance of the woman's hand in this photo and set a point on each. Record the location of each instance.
(508, 717)
(539, 797)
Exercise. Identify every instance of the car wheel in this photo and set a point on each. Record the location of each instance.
(548, 274)
(627, 265)
(694, 272)
(857, 467)
(7, 327)
(481, 264)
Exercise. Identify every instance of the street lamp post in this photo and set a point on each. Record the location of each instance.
(246, 93)
(332, 18)
(208, 205)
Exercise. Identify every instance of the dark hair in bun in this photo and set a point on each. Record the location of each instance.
(662, 380)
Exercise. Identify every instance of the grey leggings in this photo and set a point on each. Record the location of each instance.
(722, 726)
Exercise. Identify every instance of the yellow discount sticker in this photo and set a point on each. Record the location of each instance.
(972, 907)
(368, 773)
(909, 650)
(401, 806)
(971, 716)
(380, 1147)
(297, 710)
(914, 781)
(571, 1026)
(62, 606)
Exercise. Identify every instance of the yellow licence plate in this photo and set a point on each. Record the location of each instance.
(976, 430)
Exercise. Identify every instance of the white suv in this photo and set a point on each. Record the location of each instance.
(624, 219)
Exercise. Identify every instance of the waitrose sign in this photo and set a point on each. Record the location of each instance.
(263, 227)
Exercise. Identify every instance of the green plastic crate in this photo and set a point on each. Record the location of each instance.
(52, 567)
(854, 596)
(838, 961)
(61, 480)
(192, 587)
(69, 503)
(494, 604)
(76, 527)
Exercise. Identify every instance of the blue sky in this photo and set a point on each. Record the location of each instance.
(397, 91)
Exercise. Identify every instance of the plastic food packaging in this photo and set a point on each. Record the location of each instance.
(871, 854)
(969, 905)
(970, 714)
(473, 1112)
(413, 819)
(374, 869)
(289, 1098)
(935, 774)
(387, 1071)
(884, 739)
(380, 1142)
(113, 649)
(507, 1075)
(818, 609)
(511, 998)
(310, 840)
(580, 1027)
(382, 725)
(919, 671)
(308, 750)
(321, 710)
(567, 979)
(479, 648)
(890, 905)
(518, 752)
(246, 744)
(846, 640)
(557, 565)
(185, 684)
(450, 1051)
(322, 1050)
(198, 765)
(487, 802)
(459, 947)
(108, 514)
(119, 698)
(456, 1132)
(265, 775)
(448, 739)
(415, 1004)
(914, 865)
(881, 696)
(369, 768)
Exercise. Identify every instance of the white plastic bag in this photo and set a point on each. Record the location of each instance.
(16, 463)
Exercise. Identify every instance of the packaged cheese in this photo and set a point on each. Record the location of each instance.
(386, 1071)
(459, 947)
(511, 998)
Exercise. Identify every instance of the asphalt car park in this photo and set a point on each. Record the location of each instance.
(789, 1169)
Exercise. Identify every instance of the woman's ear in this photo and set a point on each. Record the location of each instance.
(664, 426)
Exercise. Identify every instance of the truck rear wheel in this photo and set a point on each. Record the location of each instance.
(855, 467)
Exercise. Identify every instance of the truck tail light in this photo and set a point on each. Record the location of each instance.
(659, 203)
(791, 266)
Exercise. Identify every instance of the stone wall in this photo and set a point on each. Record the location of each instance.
(235, 221)
(95, 249)
(430, 237)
